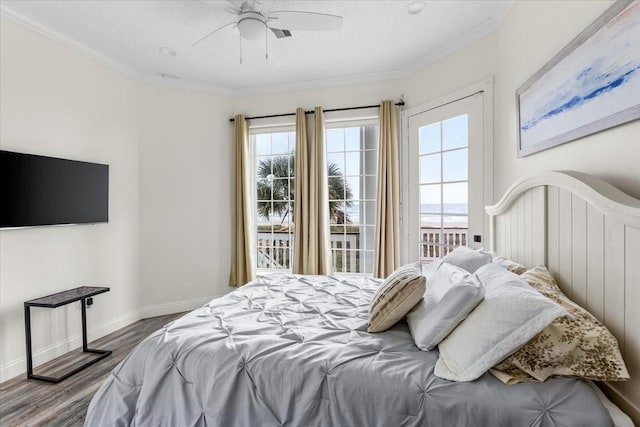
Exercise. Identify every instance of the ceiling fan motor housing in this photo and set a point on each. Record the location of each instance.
(252, 25)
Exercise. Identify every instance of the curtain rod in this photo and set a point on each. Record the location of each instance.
(398, 104)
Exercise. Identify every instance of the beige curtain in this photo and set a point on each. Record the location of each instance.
(242, 254)
(312, 249)
(387, 237)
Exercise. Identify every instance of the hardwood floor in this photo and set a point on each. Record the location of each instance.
(36, 403)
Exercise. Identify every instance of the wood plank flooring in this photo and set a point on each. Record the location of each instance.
(36, 403)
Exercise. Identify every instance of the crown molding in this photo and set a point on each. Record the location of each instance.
(314, 84)
(179, 83)
(103, 59)
(95, 54)
(481, 30)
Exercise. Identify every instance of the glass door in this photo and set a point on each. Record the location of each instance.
(446, 178)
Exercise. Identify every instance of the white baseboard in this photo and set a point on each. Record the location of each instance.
(172, 307)
(18, 366)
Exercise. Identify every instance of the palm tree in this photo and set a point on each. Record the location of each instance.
(273, 176)
(338, 190)
(275, 182)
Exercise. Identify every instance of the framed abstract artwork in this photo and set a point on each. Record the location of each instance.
(591, 85)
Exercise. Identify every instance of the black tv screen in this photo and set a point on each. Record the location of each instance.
(39, 190)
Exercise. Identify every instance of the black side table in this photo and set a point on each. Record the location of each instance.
(57, 300)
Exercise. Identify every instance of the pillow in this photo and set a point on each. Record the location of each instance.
(511, 313)
(428, 270)
(467, 258)
(450, 296)
(398, 294)
(510, 265)
(580, 346)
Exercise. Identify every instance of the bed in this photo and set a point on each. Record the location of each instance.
(293, 350)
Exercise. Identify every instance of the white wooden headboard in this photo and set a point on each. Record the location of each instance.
(587, 232)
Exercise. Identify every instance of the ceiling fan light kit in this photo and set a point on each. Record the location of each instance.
(252, 25)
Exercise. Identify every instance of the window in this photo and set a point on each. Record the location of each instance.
(444, 187)
(446, 191)
(351, 166)
(274, 166)
(352, 162)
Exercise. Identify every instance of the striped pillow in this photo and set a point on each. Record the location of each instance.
(396, 296)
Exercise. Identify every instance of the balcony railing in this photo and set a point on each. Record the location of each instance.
(274, 249)
(436, 243)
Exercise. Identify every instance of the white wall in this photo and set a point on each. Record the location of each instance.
(185, 194)
(531, 35)
(59, 103)
(165, 248)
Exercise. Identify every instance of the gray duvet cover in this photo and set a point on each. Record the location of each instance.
(291, 350)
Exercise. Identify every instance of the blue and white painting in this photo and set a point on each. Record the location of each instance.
(597, 81)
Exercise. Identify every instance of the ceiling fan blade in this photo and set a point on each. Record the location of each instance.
(213, 32)
(242, 5)
(281, 34)
(305, 21)
(233, 8)
(237, 4)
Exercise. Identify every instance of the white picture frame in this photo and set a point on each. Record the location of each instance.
(591, 85)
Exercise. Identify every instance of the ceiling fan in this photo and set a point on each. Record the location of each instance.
(252, 24)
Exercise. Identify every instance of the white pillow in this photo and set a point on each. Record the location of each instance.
(511, 313)
(467, 258)
(428, 270)
(510, 265)
(450, 296)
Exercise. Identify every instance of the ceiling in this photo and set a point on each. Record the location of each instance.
(379, 39)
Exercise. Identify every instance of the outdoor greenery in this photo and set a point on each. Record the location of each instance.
(276, 182)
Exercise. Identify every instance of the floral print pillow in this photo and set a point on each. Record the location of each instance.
(578, 346)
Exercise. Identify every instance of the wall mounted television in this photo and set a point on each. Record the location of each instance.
(39, 190)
